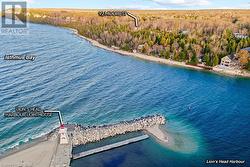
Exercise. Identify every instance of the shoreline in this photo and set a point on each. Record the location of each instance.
(215, 70)
(42, 151)
(26, 145)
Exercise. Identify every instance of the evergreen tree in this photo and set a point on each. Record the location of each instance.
(167, 54)
(194, 60)
(215, 60)
(182, 56)
(176, 56)
(206, 59)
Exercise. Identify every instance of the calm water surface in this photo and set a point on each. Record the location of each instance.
(208, 114)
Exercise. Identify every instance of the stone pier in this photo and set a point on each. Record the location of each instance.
(55, 149)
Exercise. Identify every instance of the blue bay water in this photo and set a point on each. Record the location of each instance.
(207, 114)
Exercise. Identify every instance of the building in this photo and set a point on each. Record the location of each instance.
(229, 61)
(64, 139)
(240, 36)
(140, 48)
(68, 19)
(226, 61)
(184, 32)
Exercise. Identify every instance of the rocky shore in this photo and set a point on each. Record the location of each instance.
(84, 135)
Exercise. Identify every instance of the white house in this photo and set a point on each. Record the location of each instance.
(184, 32)
(229, 61)
(140, 48)
(226, 61)
(68, 19)
(240, 36)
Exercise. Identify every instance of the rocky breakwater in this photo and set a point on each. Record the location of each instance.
(84, 135)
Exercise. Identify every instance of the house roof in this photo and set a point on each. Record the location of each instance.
(227, 58)
(247, 49)
(231, 57)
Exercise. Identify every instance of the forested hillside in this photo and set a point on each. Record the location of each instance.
(189, 36)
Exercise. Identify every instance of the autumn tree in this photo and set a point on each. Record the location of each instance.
(161, 32)
(243, 56)
(146, 49)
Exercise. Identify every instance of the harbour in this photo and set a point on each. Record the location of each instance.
(59, 142)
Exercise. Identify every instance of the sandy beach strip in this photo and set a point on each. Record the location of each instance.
(231, 72)
(226, 72)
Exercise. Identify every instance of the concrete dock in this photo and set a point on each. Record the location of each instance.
(109, 147)
(62, 155)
